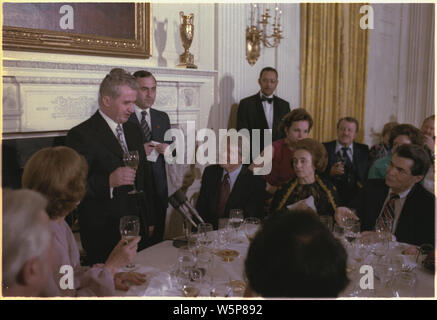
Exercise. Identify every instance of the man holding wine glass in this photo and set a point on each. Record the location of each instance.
(399, 204)
(117, 184)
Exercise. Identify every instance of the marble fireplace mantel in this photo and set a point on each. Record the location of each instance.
(48, 98)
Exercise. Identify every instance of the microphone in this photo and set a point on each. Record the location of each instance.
(177, 200)
(194, 211)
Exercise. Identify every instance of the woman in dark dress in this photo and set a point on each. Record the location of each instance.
(309, 159)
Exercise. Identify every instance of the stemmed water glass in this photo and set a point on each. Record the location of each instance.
(129, 229)
(236, 218)
(131, 159)
(204, 234)
(251, 226)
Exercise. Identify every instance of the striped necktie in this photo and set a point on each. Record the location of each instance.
(120, 135)
(145, 127)
(386, 218)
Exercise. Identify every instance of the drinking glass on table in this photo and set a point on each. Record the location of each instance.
(351, 229)
(186, 262)
(251, 226)
(129, 229)
(131, 159)
(204, 231)
(236, 219)
(403, 284)
(384, 233)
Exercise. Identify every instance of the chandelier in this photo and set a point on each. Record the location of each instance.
(257, 32)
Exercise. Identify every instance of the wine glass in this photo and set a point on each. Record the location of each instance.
(251, 226)
(204, 231)
(403, 284)
(186, 263)
(129, 229)
(236, 219)
(351, 230)
(131, 159)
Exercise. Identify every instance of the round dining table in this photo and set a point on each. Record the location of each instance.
(159, 262)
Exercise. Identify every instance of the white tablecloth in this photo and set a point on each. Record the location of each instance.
(159, 260)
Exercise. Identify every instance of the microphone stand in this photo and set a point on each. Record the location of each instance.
(179, 201)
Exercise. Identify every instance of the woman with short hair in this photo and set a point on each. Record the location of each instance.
(59, 174)
(309, 161)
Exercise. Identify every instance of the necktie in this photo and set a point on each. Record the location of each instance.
(348, 162)
(386, 218)
(264, 98)
(120, 135)
(145, 127)
(225, 190)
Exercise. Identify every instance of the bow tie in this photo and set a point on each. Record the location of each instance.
(264, 98)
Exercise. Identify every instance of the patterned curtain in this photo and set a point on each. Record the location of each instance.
(334, 52)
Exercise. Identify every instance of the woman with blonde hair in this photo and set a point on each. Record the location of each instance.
(59, 174)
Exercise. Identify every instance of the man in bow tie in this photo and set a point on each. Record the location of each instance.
(263, 110)
(347, 159)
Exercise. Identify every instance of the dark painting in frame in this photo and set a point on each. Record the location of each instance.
(106, 29)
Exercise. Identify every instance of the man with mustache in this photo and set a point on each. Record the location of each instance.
(102, 140)
(347, 160)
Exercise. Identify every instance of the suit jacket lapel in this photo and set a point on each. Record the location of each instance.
(216, 190)
(260, 112)
(276, 118)
(238, 186)
(107, 137)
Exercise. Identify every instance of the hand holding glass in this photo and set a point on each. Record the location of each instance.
(131, 159)
(129, 229)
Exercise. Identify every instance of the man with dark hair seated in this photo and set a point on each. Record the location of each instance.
(294, 256)
(399, 203)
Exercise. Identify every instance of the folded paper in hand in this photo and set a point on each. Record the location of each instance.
(308, 201)
(154, 154)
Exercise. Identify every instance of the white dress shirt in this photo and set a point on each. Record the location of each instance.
(138, 111)
(268, 110)
(113, 126)
(232, 177)
(349, 151)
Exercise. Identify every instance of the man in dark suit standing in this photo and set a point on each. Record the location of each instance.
(230, 185)
(399, 203)
(347, 160)
(102, 140)
(153, 124)
(263, 110)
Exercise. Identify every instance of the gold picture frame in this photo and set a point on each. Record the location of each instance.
(137, 45)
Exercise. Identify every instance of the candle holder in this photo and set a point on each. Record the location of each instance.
(257, 32)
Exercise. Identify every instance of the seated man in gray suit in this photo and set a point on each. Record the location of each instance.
(230, 185)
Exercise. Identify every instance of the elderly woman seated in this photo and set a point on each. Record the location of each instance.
(60, 175)
(307, 189)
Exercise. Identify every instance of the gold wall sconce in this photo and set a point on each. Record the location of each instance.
(257, 32)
